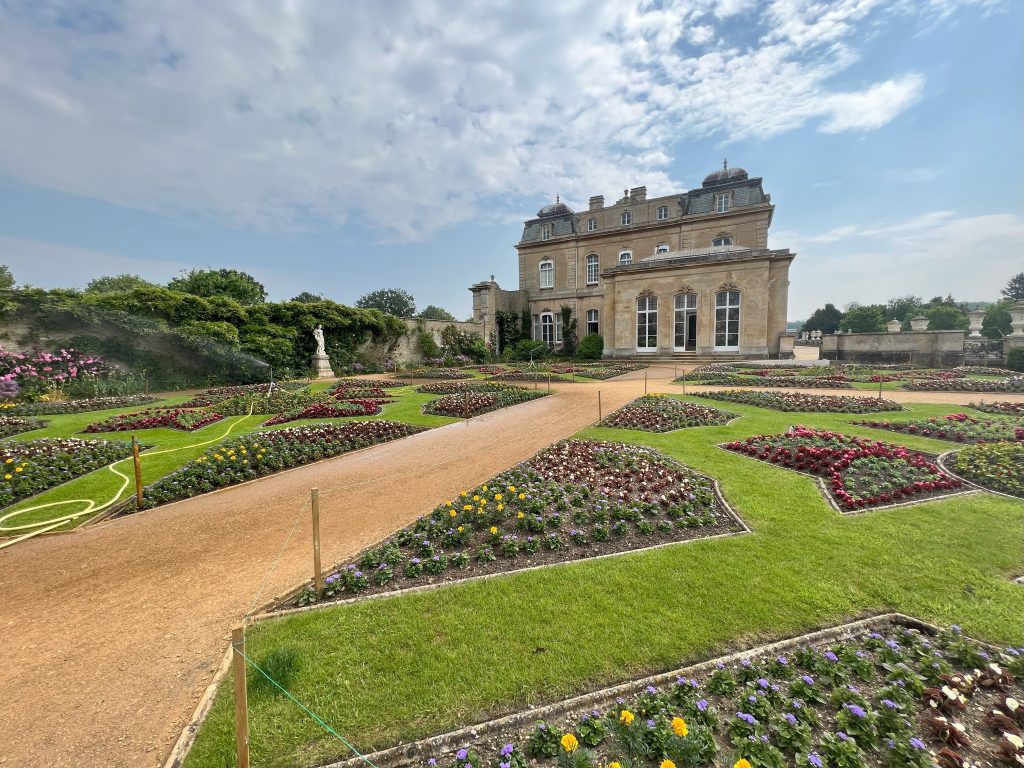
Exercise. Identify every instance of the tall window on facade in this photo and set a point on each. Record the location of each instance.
(592, 325)
(592, 268)
(558, 327)
(662, 248)
(547, 328)
(647, 324)
(591, 225)
(626, 257)
(722, 202)
(545, 232)
(727, 320)
(536, 327)
(685, 323)
(662, 212)
(547, 274)
(722, 240)
(625, 218)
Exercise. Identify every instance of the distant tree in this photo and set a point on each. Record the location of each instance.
(867, 319)
(996, 323)
(942, 317)
(308, 298)
(1015, 288)
(6, 278)
(436, 313)
(111, 283)
(390, 301)
(902, 307)
(826, 319)
(240, 286)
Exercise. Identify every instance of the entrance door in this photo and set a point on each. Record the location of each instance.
(685, 337)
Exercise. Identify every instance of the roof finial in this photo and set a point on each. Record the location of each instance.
(556, 198)
(725, 164)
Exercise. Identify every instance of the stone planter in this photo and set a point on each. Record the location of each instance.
(975, 317)
(893, 326)
(919, 323)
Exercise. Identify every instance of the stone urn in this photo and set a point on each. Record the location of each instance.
(893, 326)
(1017, 318)
(919, 323)
(975, 318)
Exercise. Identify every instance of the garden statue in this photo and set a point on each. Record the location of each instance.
(321, 364)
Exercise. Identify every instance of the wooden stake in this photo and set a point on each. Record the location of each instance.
(645, 381)
(879, 387)
(241, 698)
(684, 382)
(549, 383)
(465, 403)
(138, 471)
(318, 573)
(599, 406)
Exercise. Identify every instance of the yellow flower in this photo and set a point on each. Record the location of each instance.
(494, 530)
(520, 515)
(569, 743)
(485, 489)
(9, 461)
(17, 469)
(483, 502)
(742, 763)
(449, 504)
(476, 498)
(501, 507)
(627, 717)
(460, 529)
(452, 513)
(522, 496)
(463, 494)
(467, 507)
(667, 764)
(679, 729)
(511, 489)
(497, 497)
(615, 764)
(8, 476)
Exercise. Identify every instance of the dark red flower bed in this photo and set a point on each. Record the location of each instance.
(660, 413)
(327, 411)
(473, 402)
(1000, 407)
(955, 427)
(179, 418)
(352, 391)
(859, 473)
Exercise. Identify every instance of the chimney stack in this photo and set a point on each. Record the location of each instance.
(638, 194)
(597, 202)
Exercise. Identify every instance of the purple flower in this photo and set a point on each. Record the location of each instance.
(461, 754)
(752, 699)
(814, 760)
(748, 719)
(791, 718)
(797, 704)
(783, 661)
(651, 724)
(745, 663)
(358, 574)
(892, 644)
(890, 704)
(504, 765)
(702, 705)
(542, 726)
(808, 679)
(620, 701)
(857, 711)
(831, 656)
(890, 743)
(507, 750)
(651, 689)
(431, 762)
(916, 743)
(842, 736)
(764, 683)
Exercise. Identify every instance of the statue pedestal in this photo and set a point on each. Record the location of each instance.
(322, 366)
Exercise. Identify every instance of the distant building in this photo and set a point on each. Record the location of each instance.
(683, 276)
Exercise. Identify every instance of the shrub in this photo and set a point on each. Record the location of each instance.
(591, 347)
(1015, 362)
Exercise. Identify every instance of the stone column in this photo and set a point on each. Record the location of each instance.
(893, 326)
(1017, 318)
(975, 317)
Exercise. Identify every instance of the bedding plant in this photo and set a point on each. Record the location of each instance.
(15, 425)
(473, 401)
(955, 427)
(718, 375)
(1013, 384)
(341, 409)
(32, 466)
(576, 499)
(859, 473)
(660, 413)
(1000, 408)
(60, 407)
(799, 401)
(182, 419)
(996, 466)
(437, 373)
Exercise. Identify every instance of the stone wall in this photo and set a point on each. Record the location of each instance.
(932, 349)
(408, 351)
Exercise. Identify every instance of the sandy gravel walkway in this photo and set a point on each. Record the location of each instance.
(110, 634)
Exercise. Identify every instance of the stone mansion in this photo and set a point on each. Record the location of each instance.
(683, 276)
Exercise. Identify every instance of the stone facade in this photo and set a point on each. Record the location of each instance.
(686, 275)
(932, 349)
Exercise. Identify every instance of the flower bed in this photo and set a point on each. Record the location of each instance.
(897, 697)
(375, 383)
(717, 376)
(576, 499)
(328, 411)
(518, 375)
(179, 418)
(956, 427)
(858, 473)
(15, 425)
(278, 401)
(216, 395)
(263, 453)
(1014, 384)
(797, 401)
(659, 413)
(981, 370)
(30, 467)
(437, 373)
(78, 406)
(355, 392)
(1000, 407)
(603, 371)
(996, 466)
(473, 401)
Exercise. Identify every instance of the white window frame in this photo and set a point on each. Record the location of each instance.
(558, 328)
(680, 317)
(546, 231)
(547, 274)
(547, 328)
(593, 268)
(722, 239)
(647, 310)
(625, 258)
(723, 202)
(536, 328)
(591, 225)
(593, 321)
(662, 248)
(662, 212)
(626, 218)
(726, 327)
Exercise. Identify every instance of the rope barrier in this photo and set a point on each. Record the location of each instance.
(273, 566)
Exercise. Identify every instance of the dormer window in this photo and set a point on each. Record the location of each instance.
(662, 248)
(626, 218)
(625, 258)
(545, 231)
(591, 225)
(547, 274)
(723, 201)
(662, 212)
(722, 239)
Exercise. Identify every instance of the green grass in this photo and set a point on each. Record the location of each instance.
(402, 668)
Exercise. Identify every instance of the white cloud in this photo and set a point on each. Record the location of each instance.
(932, 254)
(405, 115)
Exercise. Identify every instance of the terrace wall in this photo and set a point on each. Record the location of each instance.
(932, 349)
(408, 350)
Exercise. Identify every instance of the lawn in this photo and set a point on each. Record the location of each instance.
(403, 668)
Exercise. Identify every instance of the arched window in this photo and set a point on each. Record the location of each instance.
(592, 325)
(547, 274)
(625, 257)
(727, 320)
(625, 218)
(591, 225)
(593, 264)
(662, 248)
(722, 239)
(547, 328)
(685, 322)
(647, 323)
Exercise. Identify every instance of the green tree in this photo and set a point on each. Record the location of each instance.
(942, 317)
(867, 319)
(390, 301)
(903, 307)
(826, 319)
(1014, 289)
(123, 282)
(309, 298)
(568, 331)
(6, 278)
(433, 312)
(996, 323)
(240, 286)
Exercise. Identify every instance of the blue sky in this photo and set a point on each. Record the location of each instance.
(339, 148)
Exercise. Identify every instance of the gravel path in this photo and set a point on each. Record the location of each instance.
(110, 634)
